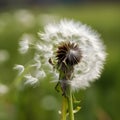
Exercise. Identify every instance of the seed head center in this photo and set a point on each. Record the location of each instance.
(68, 54)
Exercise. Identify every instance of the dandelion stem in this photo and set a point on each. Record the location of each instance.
(64, 108)
(70, 103)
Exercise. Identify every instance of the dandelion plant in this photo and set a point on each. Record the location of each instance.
(72, 52)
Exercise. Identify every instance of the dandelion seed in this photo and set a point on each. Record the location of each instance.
(37, 61)
(40, 74)
(20, 69)
(30, 79)
(24, 43)
(45, 49)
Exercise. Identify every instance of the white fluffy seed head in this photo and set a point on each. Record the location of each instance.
(90, 44)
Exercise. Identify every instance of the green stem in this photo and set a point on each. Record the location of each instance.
(70, 103)
(67, 93)
(64, 108)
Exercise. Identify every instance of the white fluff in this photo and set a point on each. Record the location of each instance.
(20, 69)
(24, 43)
(30, 79)
(91, 46)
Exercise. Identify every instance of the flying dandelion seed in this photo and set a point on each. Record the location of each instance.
(25, 42)
(20, 69)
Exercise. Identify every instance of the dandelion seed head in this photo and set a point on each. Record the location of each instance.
(90, 50)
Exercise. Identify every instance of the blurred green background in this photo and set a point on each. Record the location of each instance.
(101, 101)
